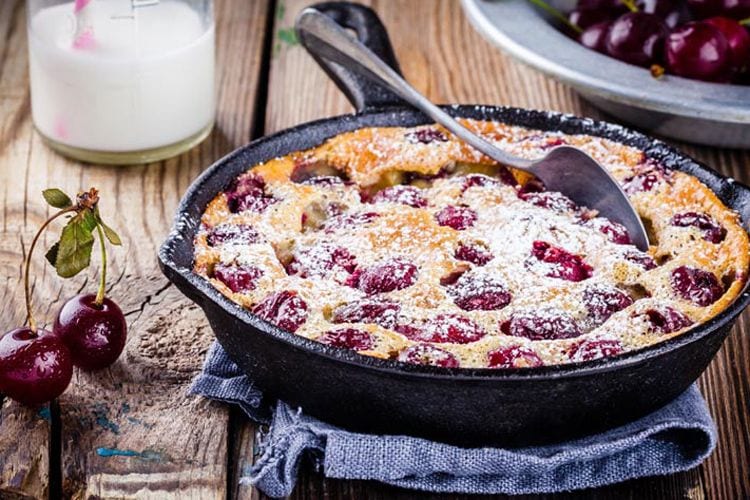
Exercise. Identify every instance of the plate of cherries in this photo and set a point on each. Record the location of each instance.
(679, 68)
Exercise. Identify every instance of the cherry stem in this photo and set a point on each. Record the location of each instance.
(27, 288)
(103, 278)
(630, 4)
(557, 15)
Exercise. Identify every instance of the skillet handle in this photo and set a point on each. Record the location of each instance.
(361, 92)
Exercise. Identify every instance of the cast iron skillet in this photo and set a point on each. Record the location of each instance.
(510, 407)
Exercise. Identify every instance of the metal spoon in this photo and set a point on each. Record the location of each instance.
(564, 169)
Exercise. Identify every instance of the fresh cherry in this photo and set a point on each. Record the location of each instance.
(95, 334)
(699, 50)
(737, 37)
(34, 367)
(594, 37)
(636, 38)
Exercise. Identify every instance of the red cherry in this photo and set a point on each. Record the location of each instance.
(475, 254)
(426, 136)
(232, 233)
(237, 278)
(348, 338)
(738, 38)
(94, 334)
(711, 229)
(666, 320)
(426, 354)
(603, 301)
(636, 38)
(284, 309)
(564, 265)
(347, 221)
(696, 285)
(540, 325)
(248, 193)
(484, 292)
(406, 195)
(321, 260)
(699, 50)
(594, 349)
(380, 312)
(459, 218)
(394, 274)
(594, 37)
(513, 357)
(34, 367)
(445, 328)
(585, 18)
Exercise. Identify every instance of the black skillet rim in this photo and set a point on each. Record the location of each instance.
(653, 148)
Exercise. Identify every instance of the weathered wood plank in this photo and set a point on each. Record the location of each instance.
(130, 430)
(447, 60)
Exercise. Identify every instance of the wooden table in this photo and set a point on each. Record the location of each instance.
(131, 430)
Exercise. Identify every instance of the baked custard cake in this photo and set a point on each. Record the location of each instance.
(404, 243)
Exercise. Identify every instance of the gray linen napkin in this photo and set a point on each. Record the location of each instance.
(675, 438)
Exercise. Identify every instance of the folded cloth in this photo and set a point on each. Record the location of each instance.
(674, 438)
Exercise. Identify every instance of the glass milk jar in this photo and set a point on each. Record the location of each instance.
(122, 81)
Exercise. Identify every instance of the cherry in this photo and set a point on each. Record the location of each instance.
(346, 221)
(641, 259)
(615, 232)
(585, 18)
(34, 367)
(481, 180)
(737, 9)
(699, 50)
(284, 309)
(668, 10)
(603, 301)
(380, 312)
(554, 201)
(737, 37)
(320, 260)
(475, 254)
(348, 338)
(696, 285)
(426, 136)
(442, 328)
(248, 193)
(594, 37)
(666, 320)
(644, 181)
(406, 195)
(565, 265)
(540, 325)
(513, 357)
(323, 180)
(232, 233)
(636, 38)
(484, 293)
(95, 334)
(711, 229)
(594, 349)
(459, 218)
(394, 274)
(426, 354)
(237, 278)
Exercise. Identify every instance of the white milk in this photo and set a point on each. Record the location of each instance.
(146, 82)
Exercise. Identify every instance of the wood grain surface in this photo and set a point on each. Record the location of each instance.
(132, 431)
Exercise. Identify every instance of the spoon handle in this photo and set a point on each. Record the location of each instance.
(325, 38)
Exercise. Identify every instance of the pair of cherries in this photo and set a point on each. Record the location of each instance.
(36, 365)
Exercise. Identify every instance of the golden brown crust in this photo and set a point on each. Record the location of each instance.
(298, 217)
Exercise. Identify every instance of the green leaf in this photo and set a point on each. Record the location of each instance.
(57, 198)
(88, 219)
(110, 233)
(76, 241)
(51, 254)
